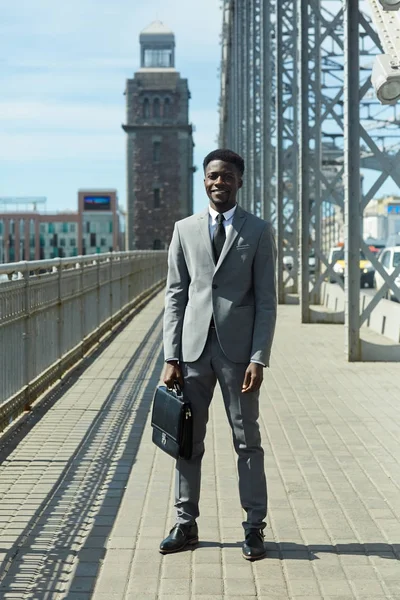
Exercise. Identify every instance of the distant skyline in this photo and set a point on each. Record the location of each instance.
(63, 75)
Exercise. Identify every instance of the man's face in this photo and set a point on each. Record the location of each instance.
(222, 181)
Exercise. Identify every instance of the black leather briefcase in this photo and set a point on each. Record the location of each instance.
(172, 422)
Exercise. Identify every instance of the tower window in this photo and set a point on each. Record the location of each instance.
(156, 151)
(154, 58)
(157, 245)
(167, 108)
(146, 108)
(156, 107)
(156, 197)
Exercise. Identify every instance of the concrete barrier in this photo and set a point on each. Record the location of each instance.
(384, 319)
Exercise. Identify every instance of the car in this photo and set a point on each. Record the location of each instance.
(389, 259)
(288, 262)
(366, 268)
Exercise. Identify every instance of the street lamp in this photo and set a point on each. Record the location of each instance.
(386, 79)
(390, 4)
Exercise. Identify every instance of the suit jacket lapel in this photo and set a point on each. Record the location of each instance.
(205, 233)
(239, 219)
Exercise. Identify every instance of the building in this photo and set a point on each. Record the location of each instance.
(99, 221)
(159, 144)
(33, 235)
(382, 220)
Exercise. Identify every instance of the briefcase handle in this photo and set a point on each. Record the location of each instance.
(177, 388)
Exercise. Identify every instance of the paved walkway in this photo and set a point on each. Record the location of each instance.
(86, 497)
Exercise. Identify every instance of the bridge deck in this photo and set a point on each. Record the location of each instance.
(86, 497)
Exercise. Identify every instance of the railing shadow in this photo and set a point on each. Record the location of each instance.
(90, 516)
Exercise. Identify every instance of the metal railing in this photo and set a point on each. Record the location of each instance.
(53, 311)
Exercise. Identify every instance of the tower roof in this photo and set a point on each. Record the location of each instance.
(157, 28)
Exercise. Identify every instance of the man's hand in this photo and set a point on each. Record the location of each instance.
(172, 374)
(253, 378)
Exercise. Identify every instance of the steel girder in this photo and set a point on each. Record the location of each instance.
(336, 124)
(287, 206)
(246, 98)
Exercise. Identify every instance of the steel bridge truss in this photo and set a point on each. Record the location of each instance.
(298, 103)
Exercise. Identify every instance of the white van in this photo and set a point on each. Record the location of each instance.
(389, 259)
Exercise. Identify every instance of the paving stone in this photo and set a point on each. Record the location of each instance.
(330, 434)
(177, 587)
(208, 586)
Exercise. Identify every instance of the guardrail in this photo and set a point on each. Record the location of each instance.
(53, 311)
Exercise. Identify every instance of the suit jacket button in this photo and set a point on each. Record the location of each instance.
(214, 286)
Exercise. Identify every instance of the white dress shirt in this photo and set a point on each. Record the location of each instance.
(212, 220)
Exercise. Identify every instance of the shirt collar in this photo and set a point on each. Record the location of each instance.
(228, 214)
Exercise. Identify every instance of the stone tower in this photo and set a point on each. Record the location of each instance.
(159, 144)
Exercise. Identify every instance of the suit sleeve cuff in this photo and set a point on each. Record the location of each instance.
(257, 362)
(169, 359)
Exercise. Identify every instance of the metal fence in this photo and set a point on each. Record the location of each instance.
(53, 311)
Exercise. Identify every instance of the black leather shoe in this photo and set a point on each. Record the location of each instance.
(179, 537)
(253, 546)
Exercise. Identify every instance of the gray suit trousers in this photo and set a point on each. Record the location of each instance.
(242, 410)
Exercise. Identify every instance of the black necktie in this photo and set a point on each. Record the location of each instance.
(219, 237)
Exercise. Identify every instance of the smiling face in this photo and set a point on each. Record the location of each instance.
(222, 181)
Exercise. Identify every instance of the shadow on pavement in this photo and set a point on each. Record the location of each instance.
(89, 492)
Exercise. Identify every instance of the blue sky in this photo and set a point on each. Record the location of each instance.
(62, 77)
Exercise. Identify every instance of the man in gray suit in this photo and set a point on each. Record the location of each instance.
(220, 313)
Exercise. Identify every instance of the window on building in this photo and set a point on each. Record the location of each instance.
(72, 227)
(156, 151)
(146, 108)
(103, 242)
(156, 108)
(93, 240)
(156, 197)
(62, 241)
(87, 227)
(167, 107)
(72, 242)
(157, 245)
(42, 227)
(64, 227)
(110, 227)
(51, 228)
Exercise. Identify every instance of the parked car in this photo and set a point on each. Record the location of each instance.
(366, 268)
(389, 259)
(288, 262)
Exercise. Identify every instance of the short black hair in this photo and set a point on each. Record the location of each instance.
(227, 156)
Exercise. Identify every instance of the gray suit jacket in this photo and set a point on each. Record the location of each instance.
(239, 291)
